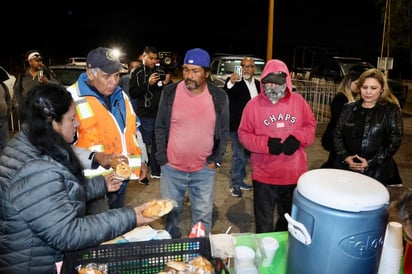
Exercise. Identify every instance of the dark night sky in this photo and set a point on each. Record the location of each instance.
(72, 29)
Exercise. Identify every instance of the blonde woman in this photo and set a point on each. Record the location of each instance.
(346, 92)
(369, 131)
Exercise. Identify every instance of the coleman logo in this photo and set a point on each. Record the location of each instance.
(362, 245)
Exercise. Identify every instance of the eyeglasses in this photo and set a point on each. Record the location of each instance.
(247, 66)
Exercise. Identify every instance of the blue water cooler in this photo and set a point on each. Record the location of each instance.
(337, 224)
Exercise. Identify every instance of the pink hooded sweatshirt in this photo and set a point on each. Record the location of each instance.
(261, 119)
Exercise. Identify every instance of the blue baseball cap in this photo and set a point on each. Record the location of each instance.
(198, 57)
(104, 59)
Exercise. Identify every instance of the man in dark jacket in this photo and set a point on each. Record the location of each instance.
(145, 88)
(240, 90)
(192, 129)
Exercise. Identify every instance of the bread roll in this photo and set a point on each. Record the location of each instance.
(121, 167)
(89, 270)
(158, 208)
(118, 160)
(200, 264)
(177, 265)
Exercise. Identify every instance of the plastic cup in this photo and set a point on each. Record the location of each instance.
(270, 246)
(394, 235)
(245, 256)
(246, 269)
(392, 250)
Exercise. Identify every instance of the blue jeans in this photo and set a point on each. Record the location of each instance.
(240, 157)
(147, 128)
(200, 185)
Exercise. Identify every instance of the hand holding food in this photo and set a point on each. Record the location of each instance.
(113, 183)
(159, 208)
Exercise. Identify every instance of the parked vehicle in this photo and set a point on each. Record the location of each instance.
(337, 67)
(77, 61)
(67, 74)
(222, 66)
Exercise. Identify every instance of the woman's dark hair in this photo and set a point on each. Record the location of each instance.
(43, 105)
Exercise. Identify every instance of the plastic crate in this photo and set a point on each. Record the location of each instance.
(138, 257)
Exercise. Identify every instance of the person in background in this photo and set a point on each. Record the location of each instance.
(35, 74)
(5, 109)
(192, 129)
(240, 91)
(146, 87)
(125, 79)
(276, 127)
(44, 192)
(346, 92)
(369, 131)
(107, 120)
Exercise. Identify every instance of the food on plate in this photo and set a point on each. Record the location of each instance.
(173, 267)
(200, 264)
(121, 167)
(158, 208)
(89, 270)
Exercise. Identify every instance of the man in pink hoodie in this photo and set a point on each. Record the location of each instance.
(276, 127)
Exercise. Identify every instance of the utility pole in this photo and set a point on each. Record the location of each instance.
(269, 49)
(385, 63)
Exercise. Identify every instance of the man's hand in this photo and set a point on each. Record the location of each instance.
(234, 77)
(104, 159)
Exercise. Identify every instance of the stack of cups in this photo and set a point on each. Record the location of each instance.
(270, 246)
(392, 251)
(245, 260)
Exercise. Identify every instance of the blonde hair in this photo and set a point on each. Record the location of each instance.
(345, 86)
(386, 94)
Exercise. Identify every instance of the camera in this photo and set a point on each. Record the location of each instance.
(160, 72)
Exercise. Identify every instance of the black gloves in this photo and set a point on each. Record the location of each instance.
(275, 147)
(290, 145)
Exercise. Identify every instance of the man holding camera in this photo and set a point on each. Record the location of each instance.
(145, 87)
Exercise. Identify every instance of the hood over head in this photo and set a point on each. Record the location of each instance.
(276, 65)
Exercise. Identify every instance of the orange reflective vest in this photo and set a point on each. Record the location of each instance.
(99, 131)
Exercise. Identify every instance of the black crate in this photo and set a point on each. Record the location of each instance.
(138, 257)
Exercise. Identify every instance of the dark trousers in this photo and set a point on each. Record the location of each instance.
(117, 199)
(330, 162)
(267, 198)
(147, 128)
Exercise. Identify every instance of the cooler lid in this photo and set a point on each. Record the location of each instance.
(342, 189)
